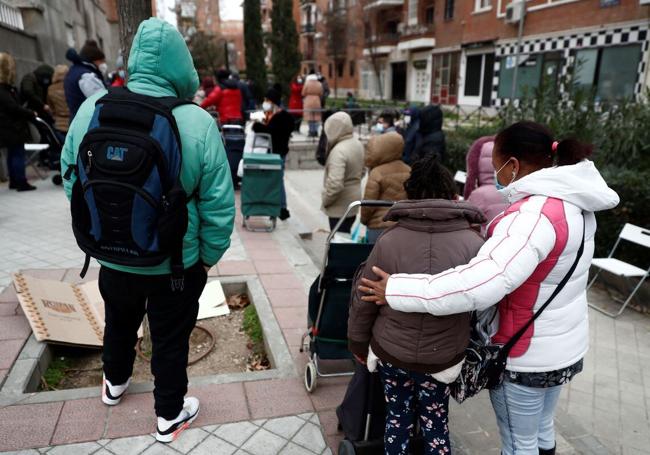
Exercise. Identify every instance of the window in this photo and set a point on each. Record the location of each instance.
(340, 69)
(320, 69)
(449, 10)
(329, 70)
(529, 75)
(445, 78)
(482, 5)
(429, 15)
(352, 68)
(413, 12)
(612, 72)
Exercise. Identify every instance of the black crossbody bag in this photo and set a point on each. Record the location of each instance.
(485, 365)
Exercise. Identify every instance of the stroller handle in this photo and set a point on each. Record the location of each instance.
(49, 129)
(352, 206)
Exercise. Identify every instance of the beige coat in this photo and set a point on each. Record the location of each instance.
(56, 99)
(344, 166)
(312, 92)
(387, 176)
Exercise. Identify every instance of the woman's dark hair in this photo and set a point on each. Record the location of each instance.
(532, 143)
(429, 179)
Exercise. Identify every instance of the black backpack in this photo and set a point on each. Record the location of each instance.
(128, 206)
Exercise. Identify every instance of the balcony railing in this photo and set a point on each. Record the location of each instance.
(308, 28)
(417, 29)
(11, 16)
(380, 4)
(383, 39)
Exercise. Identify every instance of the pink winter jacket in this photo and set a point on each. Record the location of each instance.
(480, 187)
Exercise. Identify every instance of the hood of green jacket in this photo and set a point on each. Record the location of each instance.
(160, 64)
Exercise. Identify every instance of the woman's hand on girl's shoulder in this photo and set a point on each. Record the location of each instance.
(375, 291)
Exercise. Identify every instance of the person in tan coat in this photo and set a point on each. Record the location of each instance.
(56, 100)
(312, 92)
(386, 180)
(343, 170)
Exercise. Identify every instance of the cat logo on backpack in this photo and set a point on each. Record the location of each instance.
(116, 153)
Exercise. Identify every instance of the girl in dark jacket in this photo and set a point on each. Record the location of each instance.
(418, 354)
(14, 130)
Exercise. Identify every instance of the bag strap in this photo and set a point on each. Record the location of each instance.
(517, 336)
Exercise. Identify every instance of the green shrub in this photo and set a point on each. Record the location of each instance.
(252, 326)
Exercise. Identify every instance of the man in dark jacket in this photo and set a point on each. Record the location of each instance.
(248, 100)
(279, 124)
(14, 131)
(33, 90)
(85, 77)
(429, 136)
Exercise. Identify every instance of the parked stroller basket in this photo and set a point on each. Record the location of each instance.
(261, 190)
(262, 141)
(47, 151)
(329, 298)
(234, 138)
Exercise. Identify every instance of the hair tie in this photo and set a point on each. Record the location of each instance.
(554, 146)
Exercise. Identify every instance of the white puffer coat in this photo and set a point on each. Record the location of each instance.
(531, 247)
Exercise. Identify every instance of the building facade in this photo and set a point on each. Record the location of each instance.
(331, 41)
(463, 52)
(233, 32)
(38, 32)
(198, 15)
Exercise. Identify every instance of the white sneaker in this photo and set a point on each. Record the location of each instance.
(112, 394)
(169, 430)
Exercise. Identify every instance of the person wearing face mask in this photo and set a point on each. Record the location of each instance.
(385, 123)
(86, 75)
(279, 124)
(481, 186)
(553, 191)
(118, 78)
(33, 91)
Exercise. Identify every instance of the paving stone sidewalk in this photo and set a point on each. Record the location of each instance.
(292, 435)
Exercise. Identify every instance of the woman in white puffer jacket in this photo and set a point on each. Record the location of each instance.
(551, 189)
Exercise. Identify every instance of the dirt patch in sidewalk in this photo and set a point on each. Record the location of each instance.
(237, 349)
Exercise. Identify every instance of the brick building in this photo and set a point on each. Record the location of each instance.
(462, 52)
(233, 32)
(198, 15)
(319, 45)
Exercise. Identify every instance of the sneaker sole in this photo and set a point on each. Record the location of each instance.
(109, 401)
(169, 438)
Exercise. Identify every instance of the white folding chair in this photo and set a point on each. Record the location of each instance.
(460, 177)
(630, 233)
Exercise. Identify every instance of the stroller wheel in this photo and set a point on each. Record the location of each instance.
(346, 448)
(310, 376)
(57, 179)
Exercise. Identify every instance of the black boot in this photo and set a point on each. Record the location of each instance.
(284, 214)
(24, 187)
(547, 451)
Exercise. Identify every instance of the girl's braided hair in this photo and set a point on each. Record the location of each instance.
(429, 179)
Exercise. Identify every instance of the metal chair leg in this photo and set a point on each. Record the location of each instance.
(625, 303)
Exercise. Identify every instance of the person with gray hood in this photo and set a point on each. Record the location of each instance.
(343, 170)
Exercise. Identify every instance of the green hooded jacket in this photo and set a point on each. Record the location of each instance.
(161, 65)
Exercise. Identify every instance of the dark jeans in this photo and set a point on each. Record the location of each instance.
(345, 227)
(172, 316)
(16, 164)
(406, 391)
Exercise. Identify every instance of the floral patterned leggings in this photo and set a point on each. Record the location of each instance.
(409, 393)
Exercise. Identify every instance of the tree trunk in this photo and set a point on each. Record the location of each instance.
(130, 13)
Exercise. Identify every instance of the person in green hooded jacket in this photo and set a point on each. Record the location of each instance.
(160, 65)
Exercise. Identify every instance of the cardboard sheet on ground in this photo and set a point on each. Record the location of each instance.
(212, 302)
(63, 313)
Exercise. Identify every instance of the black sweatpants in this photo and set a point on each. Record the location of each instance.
(172, 316)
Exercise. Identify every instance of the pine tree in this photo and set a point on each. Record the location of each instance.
(285, 56)
(254, 47)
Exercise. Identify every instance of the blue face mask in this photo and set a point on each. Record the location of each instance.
(496, 177)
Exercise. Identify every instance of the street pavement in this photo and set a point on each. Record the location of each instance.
(609, 400)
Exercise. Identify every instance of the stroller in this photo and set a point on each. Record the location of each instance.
(329, 299)
(45, 152)
(234, 140)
